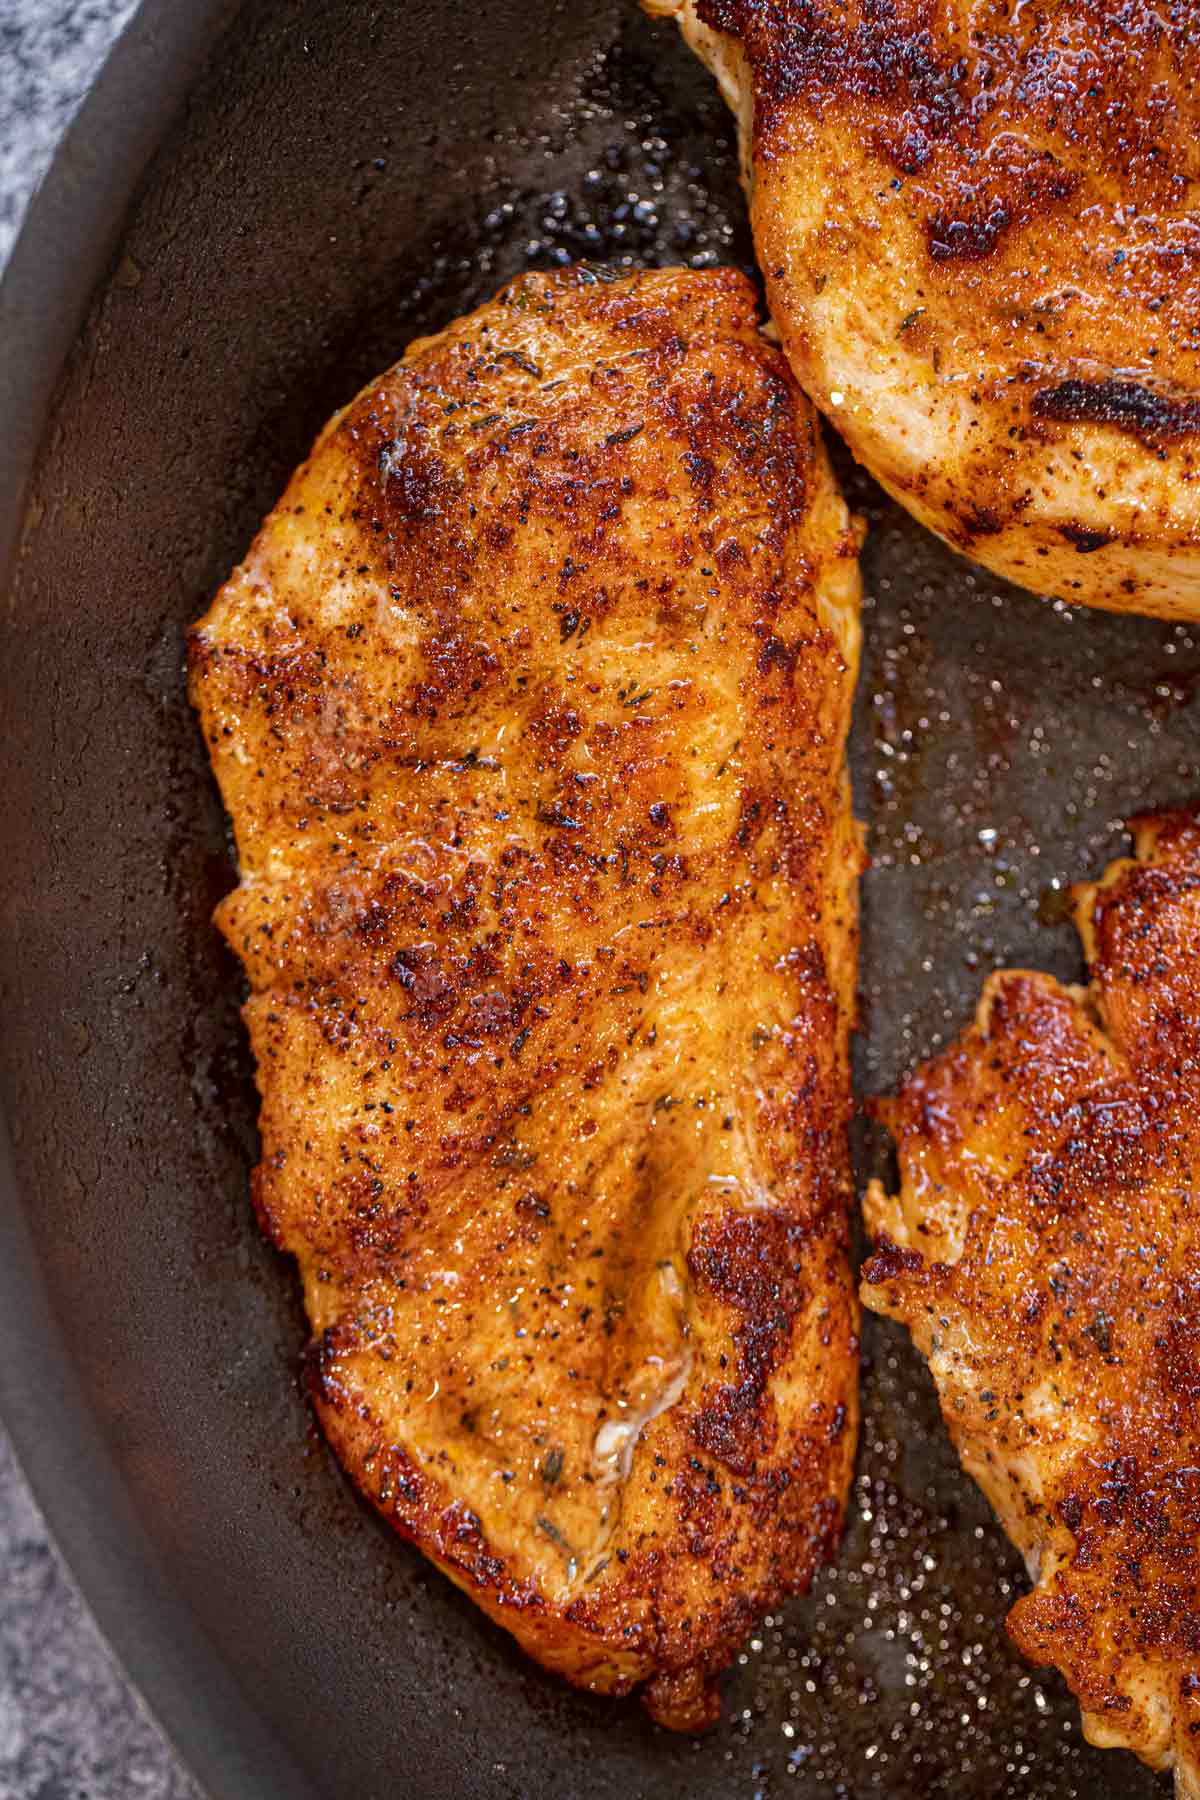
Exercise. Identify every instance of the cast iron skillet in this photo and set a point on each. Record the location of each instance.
(339, 178)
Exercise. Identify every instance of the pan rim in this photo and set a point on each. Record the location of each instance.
(83, 203)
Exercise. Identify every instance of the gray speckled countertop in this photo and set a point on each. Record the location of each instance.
(70, 1726)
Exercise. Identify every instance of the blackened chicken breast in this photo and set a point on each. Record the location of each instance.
(528, 705)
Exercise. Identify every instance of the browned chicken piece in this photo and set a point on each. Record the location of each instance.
(979, 226)
(1044, 1252)
(529, 705)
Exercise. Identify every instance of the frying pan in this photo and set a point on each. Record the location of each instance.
(315, 184)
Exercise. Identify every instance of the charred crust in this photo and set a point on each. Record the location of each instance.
(754, 1264)
(970, 226)
(982, 522)
(890, 1261)
(1151, 416)
(1084, 539)
(722, 15)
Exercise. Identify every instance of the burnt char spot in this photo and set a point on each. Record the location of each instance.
(973, 226)
(430, 990)
(1153, 417)
(751, 1264)
(982, 522)
(700, 469)
(775, 653)
(889, 1261)
(417, 487)
(1070, 1511)
(1085, 541)
(967, 239)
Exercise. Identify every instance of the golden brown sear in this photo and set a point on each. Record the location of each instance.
(528, 705)
(979, 226)
(1044, 1252)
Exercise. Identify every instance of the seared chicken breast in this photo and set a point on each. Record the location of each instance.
(979, 226)
(1044, 1252)
(528, 705)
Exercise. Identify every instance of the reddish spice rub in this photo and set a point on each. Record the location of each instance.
(1044, 1251)
(529, 706)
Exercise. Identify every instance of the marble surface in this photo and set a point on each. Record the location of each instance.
(71, 1728)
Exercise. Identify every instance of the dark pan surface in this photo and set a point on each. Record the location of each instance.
(345, 176)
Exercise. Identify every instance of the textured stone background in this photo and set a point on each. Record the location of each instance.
(70, 1727)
